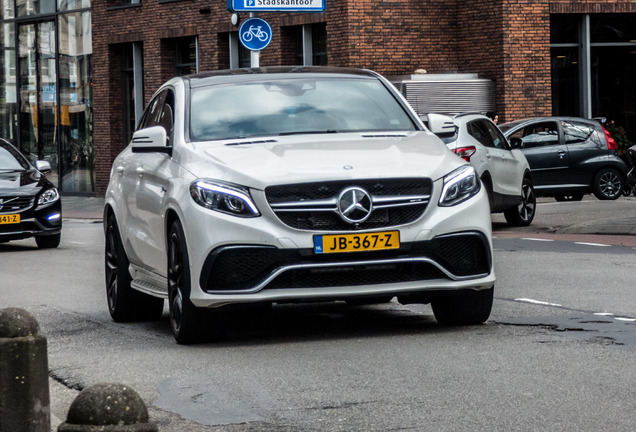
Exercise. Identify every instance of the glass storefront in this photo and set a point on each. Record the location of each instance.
(593, 61)
(46, 95)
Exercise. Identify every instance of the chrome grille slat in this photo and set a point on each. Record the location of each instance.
(16, 204)
(308, 206)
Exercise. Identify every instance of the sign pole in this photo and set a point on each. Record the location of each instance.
(255, 56)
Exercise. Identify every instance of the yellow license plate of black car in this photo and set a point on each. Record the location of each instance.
(9, 219)
(356, 242)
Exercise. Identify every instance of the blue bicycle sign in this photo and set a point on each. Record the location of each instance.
(255, 34)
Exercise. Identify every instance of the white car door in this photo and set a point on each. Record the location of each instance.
(152, 172)
(506, 166)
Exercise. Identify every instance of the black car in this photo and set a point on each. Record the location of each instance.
(569, 157)
(30, 205)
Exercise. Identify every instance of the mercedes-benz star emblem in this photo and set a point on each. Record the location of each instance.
(354, 205)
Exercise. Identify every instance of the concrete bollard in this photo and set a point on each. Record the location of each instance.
(108, 408)
(24, 374)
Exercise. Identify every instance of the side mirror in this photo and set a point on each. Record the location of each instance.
(43, 166)
(151, 140)
(516, 143)
(440, 124)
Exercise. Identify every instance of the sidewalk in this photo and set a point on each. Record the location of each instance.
(82, 207)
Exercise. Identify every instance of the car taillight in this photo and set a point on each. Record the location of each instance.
(465, 152)
(611, 144)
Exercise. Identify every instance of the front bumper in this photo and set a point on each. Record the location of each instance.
(446, 250)
(45, 220)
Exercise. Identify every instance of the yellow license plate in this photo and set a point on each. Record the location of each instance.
(356, 242)
(9, 219)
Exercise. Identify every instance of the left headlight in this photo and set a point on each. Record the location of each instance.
(459, 185)
(49, 196)
(224, 198)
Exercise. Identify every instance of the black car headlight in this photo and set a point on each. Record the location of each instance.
(48, 196)
(459, 185)
(224, 198)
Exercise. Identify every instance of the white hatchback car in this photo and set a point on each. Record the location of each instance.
(503, 168)
(261, 186)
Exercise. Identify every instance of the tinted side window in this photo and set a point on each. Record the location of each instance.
(153, 110)
(576, 132)
(477, 130)
(538, 135)
(497, 138)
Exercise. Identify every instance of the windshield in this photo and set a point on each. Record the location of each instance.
(10, 159)
(293, 106)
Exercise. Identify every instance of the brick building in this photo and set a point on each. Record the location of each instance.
(574, 57)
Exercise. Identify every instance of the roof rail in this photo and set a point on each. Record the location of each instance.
(468, 113)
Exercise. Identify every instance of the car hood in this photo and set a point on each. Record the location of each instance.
(261, 162)
(21, 182)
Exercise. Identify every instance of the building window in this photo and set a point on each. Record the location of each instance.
(76, 102)
(240, 57)
(319, 44)
(186, 56)
(35, 7)
(310, 48)
(116, 3)
(593, 62)
(132, 88)
(68, 5)
(8, 90)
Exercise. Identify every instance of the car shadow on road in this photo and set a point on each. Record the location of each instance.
(320, 321)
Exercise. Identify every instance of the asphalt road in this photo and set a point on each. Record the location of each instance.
(557, 354)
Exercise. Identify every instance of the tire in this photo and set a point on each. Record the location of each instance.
(466, 309)
(189, 324)
(607, 184)
(628, 189)
(523, 214)
(124, 303)
(569, 197)
(49, 241)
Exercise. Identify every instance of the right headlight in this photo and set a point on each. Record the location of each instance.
(224, 198)
(459, 185)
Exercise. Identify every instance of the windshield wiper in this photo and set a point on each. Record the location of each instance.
(328, 131)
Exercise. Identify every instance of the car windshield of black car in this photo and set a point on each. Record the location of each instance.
(9, 161)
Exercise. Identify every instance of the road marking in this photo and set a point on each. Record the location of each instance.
(609, 314)
(537, 302)
(591, 244)
(537, 239)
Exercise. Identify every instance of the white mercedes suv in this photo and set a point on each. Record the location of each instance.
(287, 184)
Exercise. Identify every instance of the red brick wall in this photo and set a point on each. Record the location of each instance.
(503, 40)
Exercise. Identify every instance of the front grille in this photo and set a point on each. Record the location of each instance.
(15, 204)
(313, 206)
(241, 268)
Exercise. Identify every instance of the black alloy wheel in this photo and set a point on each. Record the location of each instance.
(124, 303)
(523, 214)
(189, 324)
(608, 184)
